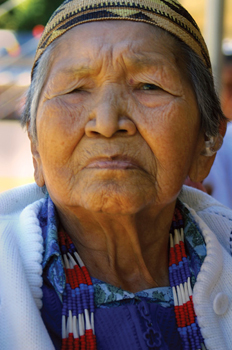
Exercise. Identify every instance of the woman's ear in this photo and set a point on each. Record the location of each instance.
(38, 169)
(223, 127)
(206, 153)
(200, 167)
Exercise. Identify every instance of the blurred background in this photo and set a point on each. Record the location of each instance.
(21, 24)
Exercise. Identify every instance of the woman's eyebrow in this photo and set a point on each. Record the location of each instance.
(149, 63)
(77, 71)
(143, 61)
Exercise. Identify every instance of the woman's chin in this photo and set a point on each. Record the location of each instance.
(115, 201)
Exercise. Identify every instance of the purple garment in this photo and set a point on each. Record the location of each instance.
(138, 326)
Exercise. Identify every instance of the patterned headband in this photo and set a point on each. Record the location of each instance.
(166, 14)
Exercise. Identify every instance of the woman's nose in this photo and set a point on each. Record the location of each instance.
(109, 117)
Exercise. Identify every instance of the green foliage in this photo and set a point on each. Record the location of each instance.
(28, 14)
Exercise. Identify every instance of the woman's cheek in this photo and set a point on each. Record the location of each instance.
(168, 128)
(152, 122)
(64, 118)
(60, 127)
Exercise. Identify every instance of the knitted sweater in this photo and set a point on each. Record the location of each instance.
(21, 248)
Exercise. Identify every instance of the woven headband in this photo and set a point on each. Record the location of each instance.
(166, 14)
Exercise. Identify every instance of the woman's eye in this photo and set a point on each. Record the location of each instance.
(149, 87)
(75, 91)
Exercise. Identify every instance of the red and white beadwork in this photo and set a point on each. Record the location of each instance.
(78, 301)
(179, 276)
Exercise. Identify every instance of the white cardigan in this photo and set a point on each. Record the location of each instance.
(21, 248)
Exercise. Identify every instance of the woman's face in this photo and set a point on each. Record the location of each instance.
(118, 125)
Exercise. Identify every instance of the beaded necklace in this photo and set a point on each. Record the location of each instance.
(78, 298)
(179, 277)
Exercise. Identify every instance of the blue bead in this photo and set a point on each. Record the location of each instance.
(171, 277)
(77, 290)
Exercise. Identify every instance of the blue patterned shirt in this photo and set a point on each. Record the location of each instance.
(105, 294)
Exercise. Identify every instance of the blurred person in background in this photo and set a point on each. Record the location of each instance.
(108, 250)
(219, 181)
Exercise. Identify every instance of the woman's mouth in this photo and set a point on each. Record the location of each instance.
(112, 164)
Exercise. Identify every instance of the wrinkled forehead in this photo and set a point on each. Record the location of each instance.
(132, 45)
(116, 35)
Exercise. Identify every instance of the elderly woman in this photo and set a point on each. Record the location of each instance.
(108, 251)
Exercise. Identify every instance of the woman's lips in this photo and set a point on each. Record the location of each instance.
(112, 164)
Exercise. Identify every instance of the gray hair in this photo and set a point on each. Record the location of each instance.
(40, 76)
(202, 82)
(199, 76)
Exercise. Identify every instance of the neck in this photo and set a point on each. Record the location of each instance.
(127, 251)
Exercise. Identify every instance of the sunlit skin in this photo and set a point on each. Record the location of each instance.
(118, 132)
(226, 93)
